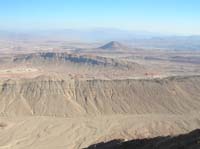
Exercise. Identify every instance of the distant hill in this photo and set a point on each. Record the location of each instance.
(114, 45)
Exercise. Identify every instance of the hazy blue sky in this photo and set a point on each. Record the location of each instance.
(171, 16)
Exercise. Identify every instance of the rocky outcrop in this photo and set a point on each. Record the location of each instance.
(185, 141)
(52, 58)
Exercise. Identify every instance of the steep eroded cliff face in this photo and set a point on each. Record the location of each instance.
(59, 96)
(50, 58)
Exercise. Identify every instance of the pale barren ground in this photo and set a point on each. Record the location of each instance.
(61, 133)
(75, 94)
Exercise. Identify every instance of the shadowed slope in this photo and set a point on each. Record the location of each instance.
(186, 141)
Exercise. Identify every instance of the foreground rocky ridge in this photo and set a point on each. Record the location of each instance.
(65, 97)
(185, 141)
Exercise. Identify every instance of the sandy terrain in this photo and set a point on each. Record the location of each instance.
(56, 95)
(80, 132)
(51, 112)
(23, 72)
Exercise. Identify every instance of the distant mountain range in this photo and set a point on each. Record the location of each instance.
(133, 38)
(98, 34)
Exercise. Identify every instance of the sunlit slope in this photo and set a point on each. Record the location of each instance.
(59, 96)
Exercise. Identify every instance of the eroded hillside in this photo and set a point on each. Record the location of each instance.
(73, 100)
(76, 65)
(60, 96)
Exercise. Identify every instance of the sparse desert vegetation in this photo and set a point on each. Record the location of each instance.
(3, 125)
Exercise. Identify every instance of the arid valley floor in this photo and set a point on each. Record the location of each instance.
(61, 95)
